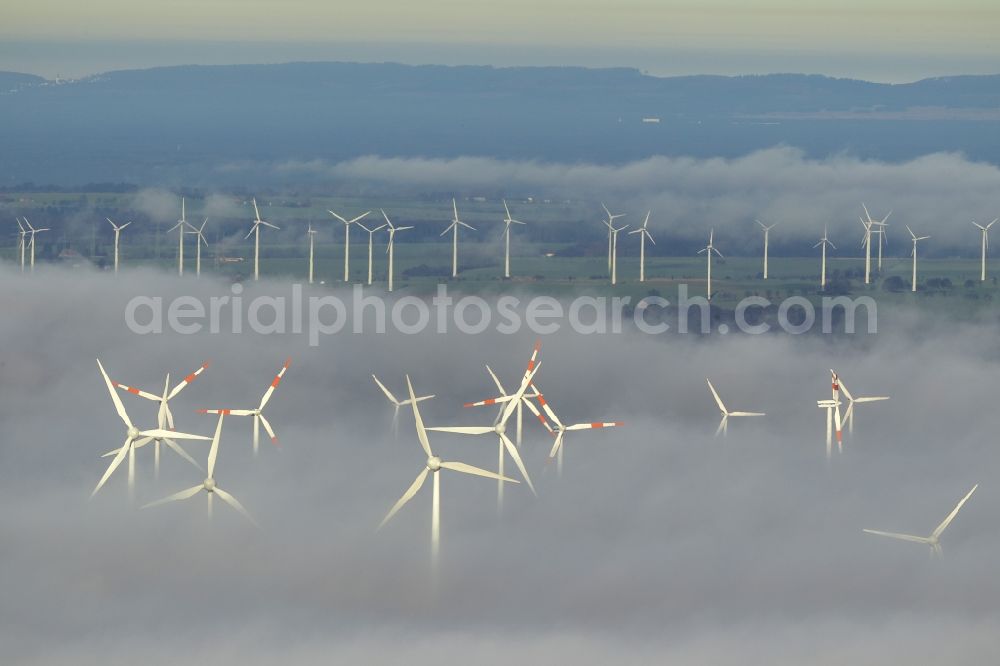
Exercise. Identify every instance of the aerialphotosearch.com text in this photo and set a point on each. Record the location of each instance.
(318, 316)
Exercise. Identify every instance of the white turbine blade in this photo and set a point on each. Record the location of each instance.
(228, 412)
(469, 469)
(359, 217)
(718, 253)
(513, 453)
(274, 383)
(747, 414)
(141, 442)
(548, 412)
(407, 496)
(463, 430)
(556, 444)
(250, 233)
(268, 224)
(722, 424)
(114, 465)
(872, 398)
(715, 394)
(256, 211)
(454, 207)
(270, 431)
(421, 431)
(387, 392)
(496, 381)
(981, 227)
(119, 407)
(449, 228)
(649, 236)
(182, 495)
(233, 502)
(992, 223)
(160, 433)
(843, 387)
(386, 218)
(403, 228)
(589, 426)
(467, 226)
(506, 210)
(895, 535)
(213, 452)
(187, 380)
(831, 244)
(175, 226)
(867, 214)
(951, 516)
(489, 401)
(509, 409)
(911, 231)
(139, 392)
(181, 452)
(338, 217)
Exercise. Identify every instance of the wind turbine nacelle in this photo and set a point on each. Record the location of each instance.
(209, 485)
(433, 463)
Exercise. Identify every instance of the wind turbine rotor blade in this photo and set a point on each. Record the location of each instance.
(513, 453)
(872, 398)
(387, 392)
(274, 383)
(338, 216)
(213, 452)
(589, 426)
(119, 407)
(895, 535)
(496, 381)
(418, 420)
(722, 424)
(139, 392)
(181, 452)
(269, 430)
(233, 502)
(509, 409)
(556, 444)
(114, 465)
(187, 380)
(407, 496)
(182, 495)
(715, 394)
(250, 233)
(463, 430)
(951, 516)
(160, 433)
(548, 412)
(469, 469)
(747, 414)
(268, 224)
(359, 217)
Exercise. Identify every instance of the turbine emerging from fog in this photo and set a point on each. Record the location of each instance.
(866, 242)
(767, 233)
(257, 414)
(371, 242)
(506, 234)
(182, 226)
(851, 401)
(312, 243)
(31, 242)
(934, 540)
(914, 254)
(643, 235)
(985, 244)
(22, 242)
(118, 231)
(199, 233)
(708, 250)
(208, 485)
(434, 465)
(609, 223)
(347, 240)
(724, 423)
(614, 251)
(255, 230)
(824, 241)
(503, 441)
(392, 241)
(453, 227)
(396, 404)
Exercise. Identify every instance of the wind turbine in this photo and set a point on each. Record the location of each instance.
(985, 231)
(180, 226)
(433, 466)
(312, 242)
(503, 441)
(914, 253)
(255, 231)
(506, 234)
(643, 235)
(934, 540)
(832, 408)
(209, 485)
(453, 227)
(608, 223)
(708, 250)
(118, 231)
(824, 241)
(560, 430)
(869, 225)
(397, 403)
(767, 233)
(134, 438)
(165, 417)
(504, 396)
(392, 238)
(347, 240)
(614, 251)
(199, 232)
(851, 401)
(258, 416)
(371, 236)
(724, 423)
(22, 242)
(31, 242)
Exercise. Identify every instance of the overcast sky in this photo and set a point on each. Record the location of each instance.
(889, 40)
(660, 543)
